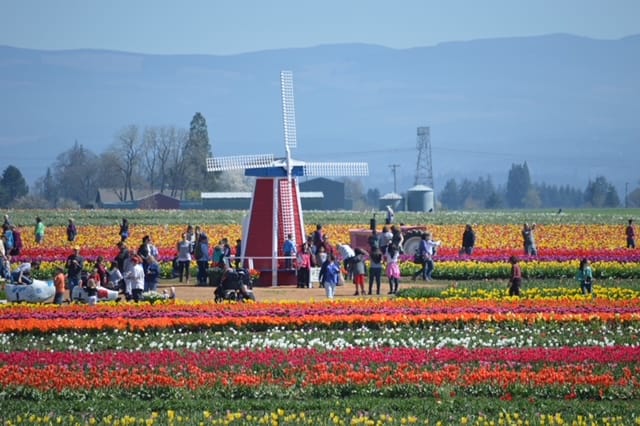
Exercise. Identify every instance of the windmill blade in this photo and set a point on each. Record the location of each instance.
(237, 162)
(336, 169)
(288, 110)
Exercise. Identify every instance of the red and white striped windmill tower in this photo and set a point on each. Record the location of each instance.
(276, 210)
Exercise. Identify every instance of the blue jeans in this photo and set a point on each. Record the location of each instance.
(375, 274)
(183, 268)
(72, 283)
(202, 271)
(426, 270)
(330, 289)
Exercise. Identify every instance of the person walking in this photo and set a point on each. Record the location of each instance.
(630, 232)
(359, 269)
(74, 264)
(184, 258)
(202, 258)
(375, 269)
(330, 276)
(426, 251)
(124, 229)
(303, 262)
(122, 260)
(516, 277)
(17, 241)
(468, 240)
(289, 251)
(72, 231)
(585, 277)
(529, 240)
(59, 282)
(39, 231)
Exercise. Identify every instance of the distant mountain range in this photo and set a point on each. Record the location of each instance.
(567, 105)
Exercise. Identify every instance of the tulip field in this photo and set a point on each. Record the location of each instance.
(465, 353)
(562, 240)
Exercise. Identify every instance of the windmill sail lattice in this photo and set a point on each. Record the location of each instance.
(276, 209)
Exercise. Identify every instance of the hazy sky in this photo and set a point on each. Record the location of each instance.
(236, 26)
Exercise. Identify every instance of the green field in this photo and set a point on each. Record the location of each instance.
(179, 217)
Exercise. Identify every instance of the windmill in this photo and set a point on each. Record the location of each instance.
(276, 209)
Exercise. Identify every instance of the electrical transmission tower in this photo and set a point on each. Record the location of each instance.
(424, 169)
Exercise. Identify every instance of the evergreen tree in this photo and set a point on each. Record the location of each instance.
(612, 199)
(494, 201)
(518, 185)
(12, 186)
(75, 175)
(449, 196)
(197, 149)
(601, 193)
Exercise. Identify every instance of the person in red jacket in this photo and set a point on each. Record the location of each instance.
(630, 231)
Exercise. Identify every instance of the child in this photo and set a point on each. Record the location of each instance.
(516, 277)
(330, 276)
(359, 271)
(60, 284)
(393, 269)
(115, 276)
(289, 251)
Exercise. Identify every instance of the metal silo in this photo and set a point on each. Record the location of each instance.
(391, 199)
(420, 199)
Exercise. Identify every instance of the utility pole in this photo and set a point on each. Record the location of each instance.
(393, 168)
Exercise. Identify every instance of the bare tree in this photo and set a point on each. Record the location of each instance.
(149, 156)
(127, 147)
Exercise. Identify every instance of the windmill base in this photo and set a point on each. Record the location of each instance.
(285, 277)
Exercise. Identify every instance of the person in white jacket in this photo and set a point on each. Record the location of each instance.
(135, 276)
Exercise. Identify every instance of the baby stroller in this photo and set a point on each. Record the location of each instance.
(235, 286)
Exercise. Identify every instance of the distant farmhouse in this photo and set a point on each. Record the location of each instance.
(333, 193)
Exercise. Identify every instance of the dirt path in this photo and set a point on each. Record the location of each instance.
(290, 293)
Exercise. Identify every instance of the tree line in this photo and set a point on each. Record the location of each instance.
(166, 159)
(520, 192)
(172, 161)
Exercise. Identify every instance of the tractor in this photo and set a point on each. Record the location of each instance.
(412, 236)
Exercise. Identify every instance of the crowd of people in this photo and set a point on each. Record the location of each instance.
(133, 272)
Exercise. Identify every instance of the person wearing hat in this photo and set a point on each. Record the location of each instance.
(74, 265)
